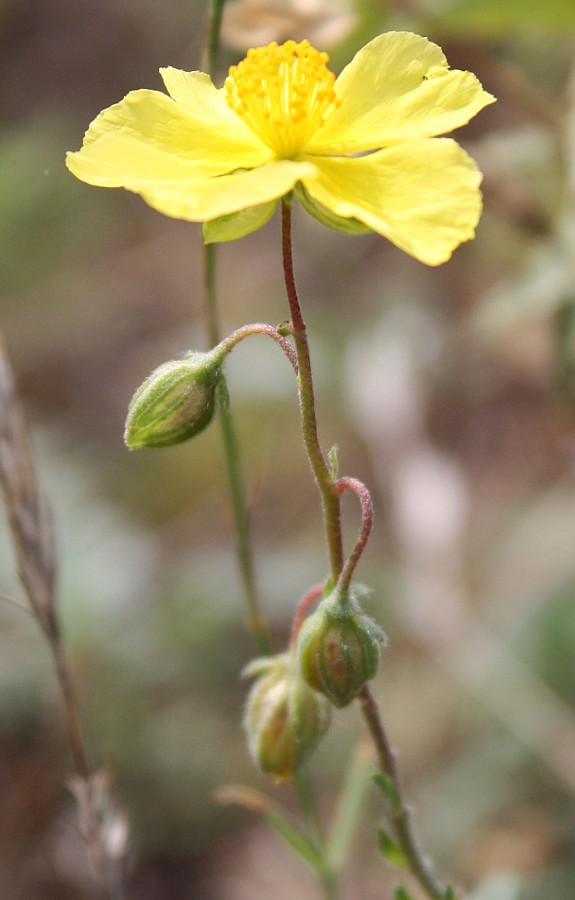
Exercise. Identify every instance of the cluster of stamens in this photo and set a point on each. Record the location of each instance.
(283, 93)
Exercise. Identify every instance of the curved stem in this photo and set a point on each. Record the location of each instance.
(245, 331)
(331, 489)
(302, 610)
(323, 476)
(352, 484)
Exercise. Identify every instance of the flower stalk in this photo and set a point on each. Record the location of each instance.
(331, 490)
(228, 343)
(352, 484)
(256, 622)
(323, 476)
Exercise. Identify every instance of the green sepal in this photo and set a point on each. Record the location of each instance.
(326, 217)
(339, 649)
(390, 850)
(238, 225)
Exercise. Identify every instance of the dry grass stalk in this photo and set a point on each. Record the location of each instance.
(103, 827)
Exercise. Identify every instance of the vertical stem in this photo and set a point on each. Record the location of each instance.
(213, 36)
(323, 476)
(399, 811)
(256, 622)
(330, 489)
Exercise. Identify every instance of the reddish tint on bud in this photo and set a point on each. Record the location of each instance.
(175, 402)
(339, 649)
(284, 718)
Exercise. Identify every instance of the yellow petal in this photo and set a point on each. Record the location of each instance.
(397, 88)
(115, 161)
(196, 92)
(149, 121)
(199, 200)
(423, 196)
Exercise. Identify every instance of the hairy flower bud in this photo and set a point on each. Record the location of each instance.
(284, 718)
(175, 402)
(339, 649)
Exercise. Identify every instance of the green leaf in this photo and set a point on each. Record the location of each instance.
(494, 17)
(300, 843)
(349, 808)
(402, 893)
(450, 894)
(387, 787)
(390, 850)
(238, 225)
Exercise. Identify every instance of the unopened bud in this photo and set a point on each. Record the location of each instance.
(339, 649)
(284, 718)
(175, 402)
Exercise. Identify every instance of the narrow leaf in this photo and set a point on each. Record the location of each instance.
(260, 804)
(387, 787)
(296, 839)
(390, 850)
(402, 893)
(349, 807)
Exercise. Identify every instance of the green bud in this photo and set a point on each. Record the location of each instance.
(339, 649)
(175, 402)
(284, 718)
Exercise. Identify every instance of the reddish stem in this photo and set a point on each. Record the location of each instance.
(302, 610)
(352, 484)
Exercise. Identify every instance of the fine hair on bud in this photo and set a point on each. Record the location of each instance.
(284, 719)
(175, 402)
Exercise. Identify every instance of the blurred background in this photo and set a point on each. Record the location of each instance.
(449, 391)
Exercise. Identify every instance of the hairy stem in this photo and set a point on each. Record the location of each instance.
(259, 328)
(341, 574)
(399, 810)
(323, 475)
(346, 574)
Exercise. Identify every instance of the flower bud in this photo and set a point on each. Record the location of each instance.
(339, 649)
(284, 718)
(175, 402)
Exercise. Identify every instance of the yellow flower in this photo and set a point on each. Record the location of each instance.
(360, 150)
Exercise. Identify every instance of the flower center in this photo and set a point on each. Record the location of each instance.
(283, 93)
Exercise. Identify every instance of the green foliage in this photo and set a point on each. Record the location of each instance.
(387, 786)
(495, 17)
(390, 849)
(402, 893)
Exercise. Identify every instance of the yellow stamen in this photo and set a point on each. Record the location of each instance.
(283, 93)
